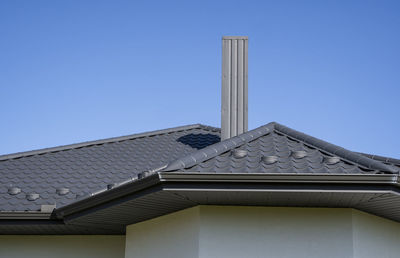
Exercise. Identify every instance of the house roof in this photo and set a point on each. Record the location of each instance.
(275, 148)
(62, 175)
(143, 176)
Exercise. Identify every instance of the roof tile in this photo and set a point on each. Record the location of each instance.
(88, 167)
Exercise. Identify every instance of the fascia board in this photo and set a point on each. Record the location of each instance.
(17, 215)
(108, 195)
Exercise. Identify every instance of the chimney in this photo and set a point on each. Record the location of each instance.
(234, 86)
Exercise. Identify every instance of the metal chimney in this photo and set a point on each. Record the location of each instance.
(234, 86)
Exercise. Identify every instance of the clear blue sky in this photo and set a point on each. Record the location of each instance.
(73, 71)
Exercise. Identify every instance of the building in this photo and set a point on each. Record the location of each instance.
(198, 191)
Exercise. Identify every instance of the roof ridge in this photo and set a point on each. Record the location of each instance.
(103, 141)
(336, 150)
(209, 128)
(217, 148)
(381, 158)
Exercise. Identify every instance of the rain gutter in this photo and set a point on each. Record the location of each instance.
(279, 178)
(25, 215)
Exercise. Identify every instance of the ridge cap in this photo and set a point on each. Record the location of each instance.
(381, 158)
(354, 157)
(99, 142)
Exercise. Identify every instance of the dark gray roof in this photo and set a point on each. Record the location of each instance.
(385, 160)
(147, 175)
(62, 175)
(274, 148)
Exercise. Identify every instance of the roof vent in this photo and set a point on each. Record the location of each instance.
(32, 196)
(62, 191)
(14, 190)
(331, 160)
(298, 154)
(269, 159)
(239, 153)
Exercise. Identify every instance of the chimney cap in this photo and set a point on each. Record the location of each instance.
(235, 37)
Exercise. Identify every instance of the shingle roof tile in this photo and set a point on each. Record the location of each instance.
(296, 152)
(65, 174)
(88, 167)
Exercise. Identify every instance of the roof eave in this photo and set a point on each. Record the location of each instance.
(165, 177)
(279, 178)
(102, 197)
(216, 183)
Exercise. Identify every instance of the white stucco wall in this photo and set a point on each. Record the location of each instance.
(170, 236)
(275, 232)
(375, 236)
(62, 246)
(226, 231)
(223, 231)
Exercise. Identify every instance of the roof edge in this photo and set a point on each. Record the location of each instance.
(336, 150)
(161, 181)
(102, 141)
(280, 178)
(18, 215)
(350, 183)
(130, 187)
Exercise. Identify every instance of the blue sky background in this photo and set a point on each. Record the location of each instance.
(73, 71)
